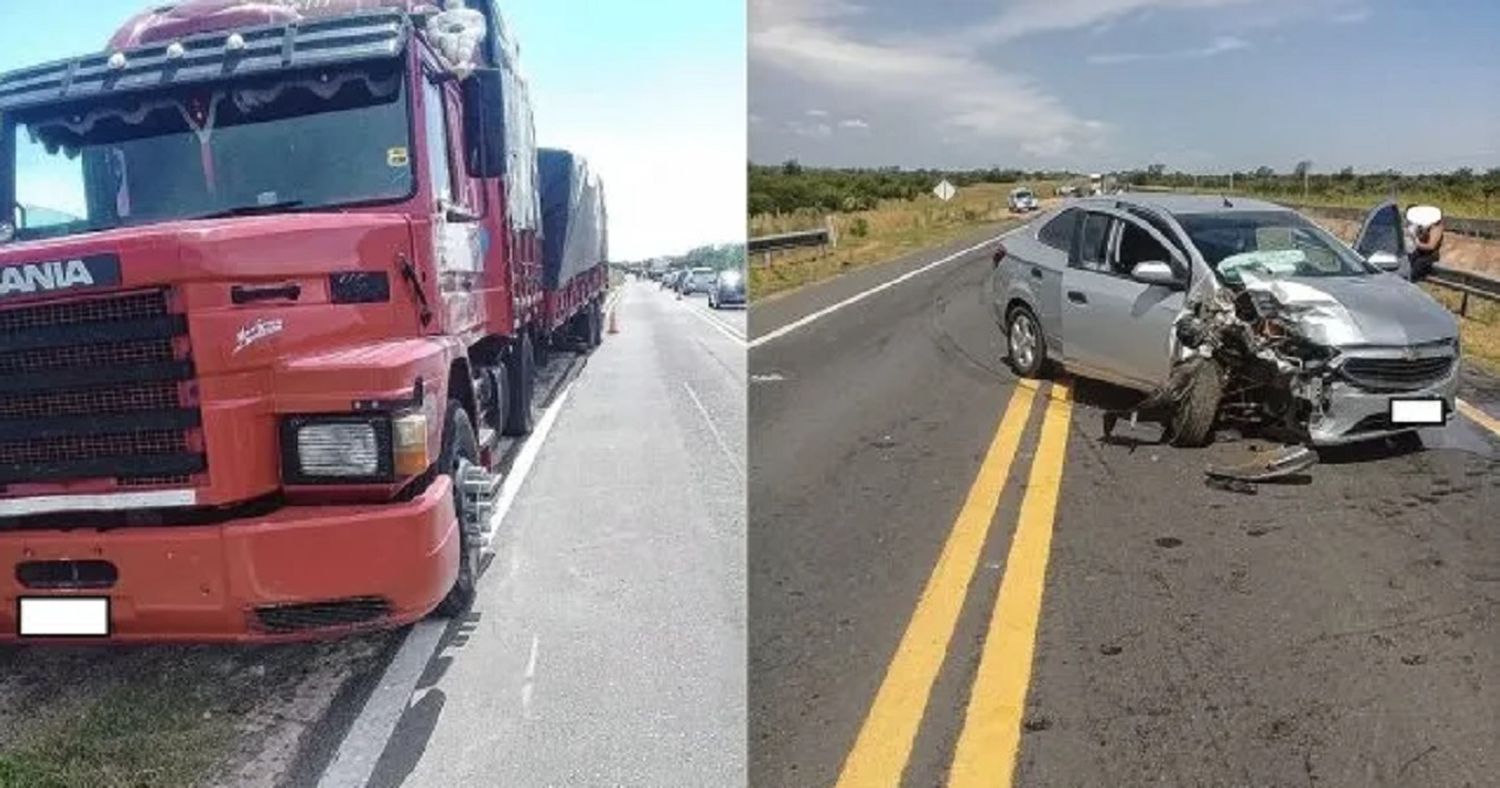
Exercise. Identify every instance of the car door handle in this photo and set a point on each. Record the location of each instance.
(1077, 297)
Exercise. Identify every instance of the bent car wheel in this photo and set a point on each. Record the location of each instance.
(460, 447)
(1198, 405)
(1028, 349)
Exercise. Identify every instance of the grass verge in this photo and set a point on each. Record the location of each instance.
(893, 228)
(136, 734)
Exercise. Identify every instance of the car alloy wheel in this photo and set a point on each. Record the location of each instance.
(1023, 340)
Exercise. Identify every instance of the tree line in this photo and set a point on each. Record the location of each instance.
(791, 187)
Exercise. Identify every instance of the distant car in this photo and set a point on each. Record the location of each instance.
(728, 289)
(1023, 200)
(1227, 310)
(698, 280)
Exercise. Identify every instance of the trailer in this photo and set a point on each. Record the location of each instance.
(273, 293)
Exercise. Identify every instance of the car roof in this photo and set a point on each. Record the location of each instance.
(1183, 204)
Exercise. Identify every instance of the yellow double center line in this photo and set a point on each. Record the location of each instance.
(986, 751)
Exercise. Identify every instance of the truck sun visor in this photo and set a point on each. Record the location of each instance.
(574, 222)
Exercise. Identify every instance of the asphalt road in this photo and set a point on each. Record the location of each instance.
(607, 645)
(954, 581)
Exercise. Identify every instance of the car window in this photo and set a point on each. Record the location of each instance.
(1382, 232)
(1137, 246)
(1162, 227)
(1269, 245)
(1093, 242)
(1058, 233)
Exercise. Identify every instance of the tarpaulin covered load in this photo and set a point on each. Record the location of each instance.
(574, 222)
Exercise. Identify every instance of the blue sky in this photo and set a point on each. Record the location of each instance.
(1201, 85)
(653, 93)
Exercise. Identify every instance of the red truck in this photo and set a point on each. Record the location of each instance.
(271, 290)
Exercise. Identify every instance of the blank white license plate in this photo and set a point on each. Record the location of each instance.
(1418, 412)
(42, 617)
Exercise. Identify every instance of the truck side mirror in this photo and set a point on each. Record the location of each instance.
(484, 123)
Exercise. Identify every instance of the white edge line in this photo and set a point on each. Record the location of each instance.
(354, 762)
(854, 299)
(521, 468)
(718, 436)
(717, 325)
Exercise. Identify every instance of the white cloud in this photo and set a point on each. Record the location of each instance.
(1350, 16)
(805, 38)
(815, 130)
(853, 123)
(817, 113)
(1218, 46)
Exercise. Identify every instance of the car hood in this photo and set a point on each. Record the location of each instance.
(1381, 310)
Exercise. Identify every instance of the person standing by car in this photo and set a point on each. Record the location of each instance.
(1424, 240)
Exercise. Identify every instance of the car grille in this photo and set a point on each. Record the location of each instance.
(1397, 374)
(94, 389)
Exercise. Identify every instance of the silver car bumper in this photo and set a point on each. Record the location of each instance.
(1354, 413)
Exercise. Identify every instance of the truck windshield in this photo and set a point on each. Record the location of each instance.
(304, 142)
(1269, 245)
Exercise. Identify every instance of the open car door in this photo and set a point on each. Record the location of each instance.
(1382, 239)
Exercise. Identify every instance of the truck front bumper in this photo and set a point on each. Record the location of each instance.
(298, 573)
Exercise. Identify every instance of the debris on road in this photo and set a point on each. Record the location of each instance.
(1262, 466)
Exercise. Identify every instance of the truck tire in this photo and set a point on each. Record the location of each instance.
(459, 445)
(1026, 346)
(1192, 423)
(520, 378)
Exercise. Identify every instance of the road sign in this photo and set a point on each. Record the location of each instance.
(945, 190)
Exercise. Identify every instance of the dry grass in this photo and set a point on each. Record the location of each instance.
(894, 228)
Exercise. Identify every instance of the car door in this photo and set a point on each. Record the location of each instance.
(1116, 327)
(1382, 239)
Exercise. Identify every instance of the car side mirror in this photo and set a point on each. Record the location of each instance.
(1385, 261)
(1155, 272)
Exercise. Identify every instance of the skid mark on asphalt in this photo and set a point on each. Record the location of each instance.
(884, 744)
(987, 747)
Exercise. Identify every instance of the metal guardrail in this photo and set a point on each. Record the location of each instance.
(783, 241)
(1466, 282)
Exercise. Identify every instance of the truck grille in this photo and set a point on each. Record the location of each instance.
(281, 619)
(1397, 374)
(93, 389)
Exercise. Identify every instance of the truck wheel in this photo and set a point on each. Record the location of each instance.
(520, 371)
(1192, 423)
(1024, 340)
(460, 447)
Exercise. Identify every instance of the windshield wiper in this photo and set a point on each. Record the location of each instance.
(254, 210)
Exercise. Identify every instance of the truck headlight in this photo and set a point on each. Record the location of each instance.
(333, 449)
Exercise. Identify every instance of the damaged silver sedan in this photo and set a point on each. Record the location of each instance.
(1227, 311)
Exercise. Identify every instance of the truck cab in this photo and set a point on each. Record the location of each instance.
(270, 291)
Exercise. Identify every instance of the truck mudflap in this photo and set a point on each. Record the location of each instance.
(299, 573)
